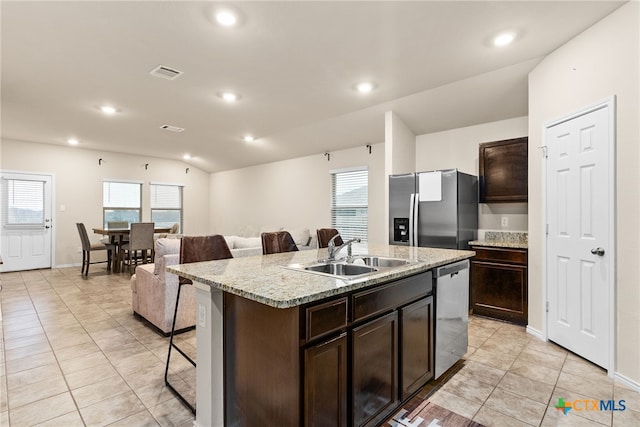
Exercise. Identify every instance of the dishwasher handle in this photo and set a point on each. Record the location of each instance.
(451, 269)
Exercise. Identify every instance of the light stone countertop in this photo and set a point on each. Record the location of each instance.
(503, 239)
(265, 279)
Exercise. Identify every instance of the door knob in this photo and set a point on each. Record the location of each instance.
(597, 251)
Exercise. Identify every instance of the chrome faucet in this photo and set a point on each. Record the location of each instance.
(333, 249)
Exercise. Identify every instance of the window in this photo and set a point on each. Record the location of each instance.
(349, 203)
(121, 201)
(166, 205)
(24, 202)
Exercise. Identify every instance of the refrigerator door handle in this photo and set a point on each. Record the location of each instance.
(411, 223)
(416, 222)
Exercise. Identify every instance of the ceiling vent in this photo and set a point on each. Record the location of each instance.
(166, 72)
(172, 128)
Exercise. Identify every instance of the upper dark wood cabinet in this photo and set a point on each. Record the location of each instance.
(504, 171)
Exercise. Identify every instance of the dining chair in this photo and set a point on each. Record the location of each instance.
(277, 242)
(140, 239)
(88, 247)
(325, 234)
(193, 249)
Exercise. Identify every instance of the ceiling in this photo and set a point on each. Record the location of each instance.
(294, 65)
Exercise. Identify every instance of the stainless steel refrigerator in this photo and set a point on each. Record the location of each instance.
(436, 209)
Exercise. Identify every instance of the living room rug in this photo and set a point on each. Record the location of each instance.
(422, 413)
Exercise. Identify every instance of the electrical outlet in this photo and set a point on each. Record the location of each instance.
(505, 221)
(202, 315)
(79, 249)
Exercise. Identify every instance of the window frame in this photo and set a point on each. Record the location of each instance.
(347, 234)
(121, 208)
(181, 201)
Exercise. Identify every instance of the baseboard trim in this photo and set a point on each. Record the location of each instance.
(627, 381)
(536, 333)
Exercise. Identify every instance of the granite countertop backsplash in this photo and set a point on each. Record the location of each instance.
(503, 239)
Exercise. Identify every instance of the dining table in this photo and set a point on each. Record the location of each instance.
(117, 236)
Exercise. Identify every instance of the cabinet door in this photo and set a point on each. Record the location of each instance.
(503, 171)
(416, 345)
(325, 383)
(499, 291)
(375, 370)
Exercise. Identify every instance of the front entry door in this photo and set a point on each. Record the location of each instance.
(579, 195)
(25, 219)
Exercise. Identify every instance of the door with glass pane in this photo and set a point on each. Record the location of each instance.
(25, 221)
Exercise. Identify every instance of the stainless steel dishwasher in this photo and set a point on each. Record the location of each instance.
(451, 284)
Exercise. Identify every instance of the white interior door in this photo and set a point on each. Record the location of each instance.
(25, 221)
(579, 194)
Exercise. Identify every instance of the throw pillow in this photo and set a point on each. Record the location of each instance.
(164, 247)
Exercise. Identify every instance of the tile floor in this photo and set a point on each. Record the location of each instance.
(71, 353)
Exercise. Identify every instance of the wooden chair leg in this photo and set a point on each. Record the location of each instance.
(86, 273)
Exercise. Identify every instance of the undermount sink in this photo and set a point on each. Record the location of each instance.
(376, 261)
(355, 268)
(340, 269)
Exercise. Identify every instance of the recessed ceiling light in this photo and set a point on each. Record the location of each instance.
(229, 96)
(364, 87)
(108, 109)
(226, 18)
(187, 156)
(504, 39)
(248, 138)
(73, 141)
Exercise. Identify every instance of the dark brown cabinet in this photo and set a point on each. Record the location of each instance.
(503, 167)
(499, 283)
(416, 346)
(349, 360)
(375, 370)
(325, 383)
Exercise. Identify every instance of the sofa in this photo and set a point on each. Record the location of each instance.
(153, 289)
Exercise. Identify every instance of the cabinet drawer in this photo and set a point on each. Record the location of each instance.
(386, 297)
(518, 256)
(324, 318)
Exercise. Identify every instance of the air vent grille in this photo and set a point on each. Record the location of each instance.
(172, 128)
(166, 72)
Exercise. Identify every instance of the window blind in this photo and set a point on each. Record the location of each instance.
(25, 202)
(121, 195)
(166, 205)
(166, 196)
(349, 203)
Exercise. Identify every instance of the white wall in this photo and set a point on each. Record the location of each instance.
(602, 61)
(78, 186)
(400, 145)
(458, 148)
(292, 193)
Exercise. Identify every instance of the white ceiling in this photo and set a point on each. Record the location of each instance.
(294, 64)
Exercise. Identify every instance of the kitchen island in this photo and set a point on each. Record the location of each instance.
(276, 346)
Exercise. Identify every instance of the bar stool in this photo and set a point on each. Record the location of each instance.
(193, 249)
(325, 234)
(277, 242)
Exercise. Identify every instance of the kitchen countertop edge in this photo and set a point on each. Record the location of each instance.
(494, 244)
(285, 288)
